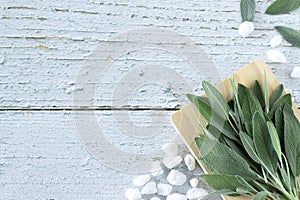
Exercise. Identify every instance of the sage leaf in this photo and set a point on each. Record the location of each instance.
(216, 100)
(224, 160)
(247, 10)
(282, 7)
(219, 192)
(290, 35)
(221, 181)
(262, 142)
(260, 196)
(258, 92)
(285, 99)
(245, 184)
(276, 95)
(249, 146)
(266, 92)
(280, 125)
(274, 138)
(202, 105)
(292, 139)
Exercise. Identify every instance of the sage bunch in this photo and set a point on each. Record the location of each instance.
(251, 143)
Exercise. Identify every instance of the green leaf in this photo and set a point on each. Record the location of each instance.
(249, 146)
(292, 139)
(279, 125)
(219, 192)
(202, 105)
(258, 92)
(285, 99)
(274, 138)
(266, 92)
(262, 142)
(250, 105)
(276, 95)
(260, 196)
(224, 160)
(247, 10)
(282, 7)
(290, 35)
(216, 100)
(221, 181)
(245, 184)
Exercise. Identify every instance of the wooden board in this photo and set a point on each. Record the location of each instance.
(186, 119)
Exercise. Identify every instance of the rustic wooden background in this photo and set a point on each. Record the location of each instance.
(43, 45)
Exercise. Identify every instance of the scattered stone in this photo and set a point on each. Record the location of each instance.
(296, 72)
(175, 177)
(176, 196)
(196, 193)
(141, 180)
(194, 182)
(276, 56)
(189, 161)
(133, 194)
(155, 198)
(156, 169)
(171, 162)
(149, 188)
(246, 28)
(164, 189)
(170, 149)
(276, 41)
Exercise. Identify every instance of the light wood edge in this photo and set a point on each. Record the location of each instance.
(185, 121)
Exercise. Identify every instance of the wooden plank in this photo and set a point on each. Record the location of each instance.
(41, 155)
(43, 46)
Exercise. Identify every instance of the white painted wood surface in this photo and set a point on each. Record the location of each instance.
(43, 46)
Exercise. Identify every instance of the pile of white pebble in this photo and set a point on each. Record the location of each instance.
(144, 186)
(276, 56)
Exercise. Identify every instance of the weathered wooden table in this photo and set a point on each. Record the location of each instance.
(43, 49)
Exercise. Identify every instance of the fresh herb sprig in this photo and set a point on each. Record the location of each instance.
(251, 143)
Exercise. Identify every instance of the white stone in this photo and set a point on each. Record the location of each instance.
(276, 56)
(246, 28)
(171, 162)
(194, 182)
(175, 177)
(155, 198)
(164, 189)
(149, 188)
(196, 193)
(189, 161)
(156, 169)
(276, 41)
(176, 196)
(141, 180)
(170, 149)
(296, 72)
(133, 194)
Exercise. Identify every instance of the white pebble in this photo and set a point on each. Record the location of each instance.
(170, 149)
(133, 194)
(175, 177)
(296, 72)
(246, 28)
(189, 161)
(155, 198)
(276, 56)
(194, 182)
(149, 188)
(171, 162)
(196, 193)
(164, 189)
(141, 180)
(156, 169)
(276, 41)
(176, 196)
